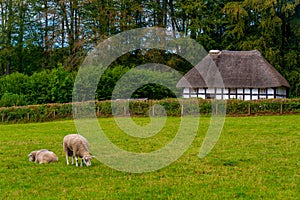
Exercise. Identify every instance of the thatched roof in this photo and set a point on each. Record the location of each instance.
(238, 69)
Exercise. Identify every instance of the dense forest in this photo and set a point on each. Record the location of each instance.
(43, 42)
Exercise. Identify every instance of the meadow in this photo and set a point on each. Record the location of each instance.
(255, 158)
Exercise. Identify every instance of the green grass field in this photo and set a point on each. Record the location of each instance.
(255, 158)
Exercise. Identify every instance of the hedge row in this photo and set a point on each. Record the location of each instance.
(169, 107)
(57, 85)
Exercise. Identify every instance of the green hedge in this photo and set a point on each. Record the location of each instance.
(35, 113)
(57, 85)
(169, 107)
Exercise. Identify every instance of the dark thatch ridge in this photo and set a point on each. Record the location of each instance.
(238, 69)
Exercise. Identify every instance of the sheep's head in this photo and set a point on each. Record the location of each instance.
(87, 160)
(32, 156)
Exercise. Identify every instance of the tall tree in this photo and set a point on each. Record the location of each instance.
(7, 19)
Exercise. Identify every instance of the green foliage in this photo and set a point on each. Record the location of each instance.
(148, 82)
(47, 86)
(143, 108)
(108, 81)
(136, 83)
(38, 87)
(61, 85)
(270, 27)
(15, 83)
(43, 35)
(9, 99)
(56, 85)
(36, 113)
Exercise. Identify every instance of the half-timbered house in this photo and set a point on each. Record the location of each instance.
(246, 75)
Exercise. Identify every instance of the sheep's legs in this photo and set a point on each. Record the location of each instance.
(72, 160)
(67, 159)
(76, 160)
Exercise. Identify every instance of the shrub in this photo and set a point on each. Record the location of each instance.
(15, 83)
(171, 107)
(10, 99)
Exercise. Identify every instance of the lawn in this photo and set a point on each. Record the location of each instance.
(255, 158)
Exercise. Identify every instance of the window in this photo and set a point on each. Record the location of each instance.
(262, 91)
(210, 96)
(232, 91)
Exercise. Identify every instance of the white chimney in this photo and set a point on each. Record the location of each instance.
(214, 51)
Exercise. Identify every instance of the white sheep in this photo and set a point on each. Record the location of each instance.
(76, 146)
(42, 156)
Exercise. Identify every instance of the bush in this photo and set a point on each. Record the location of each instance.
(9, 99)
(15, 83)
(170, 107)
(53, 86)
(47, 86)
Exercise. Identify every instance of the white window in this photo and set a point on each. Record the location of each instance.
(193, 91)
(210, 90)
(219, 97)
(254, 91)
(262, 91)
(270, 91)
(247, 97)
(240, 91)
(280, 91)
(232, 91)
(201, 90)
(219, 91)
(210, 96)
(186, 90)
(240, 97)
(247, 91)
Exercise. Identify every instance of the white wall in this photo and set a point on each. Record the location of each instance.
(238, 93)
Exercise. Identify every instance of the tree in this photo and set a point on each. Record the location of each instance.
(37, 35)
(7, 29)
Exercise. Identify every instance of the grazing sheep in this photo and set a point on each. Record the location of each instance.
(76, 146)
(42, 156)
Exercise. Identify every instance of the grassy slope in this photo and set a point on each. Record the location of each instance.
(255, 158)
